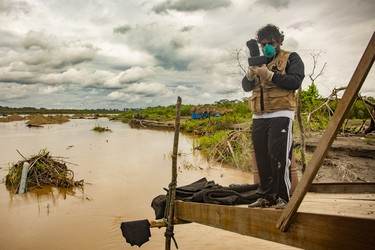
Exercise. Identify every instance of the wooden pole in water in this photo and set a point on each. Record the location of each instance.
(173, 184)
(329, 135)
(25, 169)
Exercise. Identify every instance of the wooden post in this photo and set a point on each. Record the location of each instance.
(25, 169)
(173, 184)
(329, 135)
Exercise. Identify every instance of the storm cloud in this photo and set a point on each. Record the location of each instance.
(118, 54)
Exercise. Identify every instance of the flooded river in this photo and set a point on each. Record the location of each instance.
(123, 171)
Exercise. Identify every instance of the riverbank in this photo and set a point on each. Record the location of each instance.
(350, 159)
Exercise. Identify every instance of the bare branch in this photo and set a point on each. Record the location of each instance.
(315, 56)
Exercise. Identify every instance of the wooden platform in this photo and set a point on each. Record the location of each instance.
(323, 221)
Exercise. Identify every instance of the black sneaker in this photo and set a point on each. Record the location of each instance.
(262, 203)
(281, 203)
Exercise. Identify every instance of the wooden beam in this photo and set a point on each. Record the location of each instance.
(329, 135)
(309, 231)
(162, 223)
(343, 187)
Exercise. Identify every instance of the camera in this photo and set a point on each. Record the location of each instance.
(255, 58)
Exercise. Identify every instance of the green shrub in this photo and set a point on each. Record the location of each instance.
(101, 129)
(207, 143)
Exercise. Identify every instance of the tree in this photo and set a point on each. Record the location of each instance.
(309, 98)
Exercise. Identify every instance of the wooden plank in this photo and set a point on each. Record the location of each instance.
(329, 135)
(308, 231)
(353, 205)
(162, 223)
(343, 187)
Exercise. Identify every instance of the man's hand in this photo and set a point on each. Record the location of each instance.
(250, 73)
(263, 72)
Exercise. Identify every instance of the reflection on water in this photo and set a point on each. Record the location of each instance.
(49, 193)
(123, 171)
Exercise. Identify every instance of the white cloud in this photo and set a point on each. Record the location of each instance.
(47, 90)
(14, 7)
(182, 89)
(147, 89)
(206, 95)
(135, 74)
(12, 91)
(115, 95)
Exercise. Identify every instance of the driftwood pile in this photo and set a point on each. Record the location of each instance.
(154, 124)
(43, 170)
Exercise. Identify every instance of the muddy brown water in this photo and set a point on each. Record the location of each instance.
(123, 171)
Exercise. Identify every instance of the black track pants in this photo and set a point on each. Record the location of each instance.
(272, 141)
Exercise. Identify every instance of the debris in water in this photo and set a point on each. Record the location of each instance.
(43, 170)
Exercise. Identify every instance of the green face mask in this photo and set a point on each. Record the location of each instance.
(269, 50)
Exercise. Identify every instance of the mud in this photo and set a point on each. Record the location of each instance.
(351, 158)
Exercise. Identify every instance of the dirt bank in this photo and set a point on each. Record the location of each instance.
(11, 118)
(35, 120)
(350, 159)
(50, 119)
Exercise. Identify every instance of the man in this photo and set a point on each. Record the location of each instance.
(272, 102)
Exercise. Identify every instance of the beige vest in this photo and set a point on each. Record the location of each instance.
(273, 97)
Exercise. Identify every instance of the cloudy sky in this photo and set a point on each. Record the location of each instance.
(140, 53)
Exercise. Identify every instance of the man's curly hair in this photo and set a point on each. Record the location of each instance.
(270, 32)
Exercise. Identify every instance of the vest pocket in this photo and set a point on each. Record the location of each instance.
(254, 103)
(279, 100)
